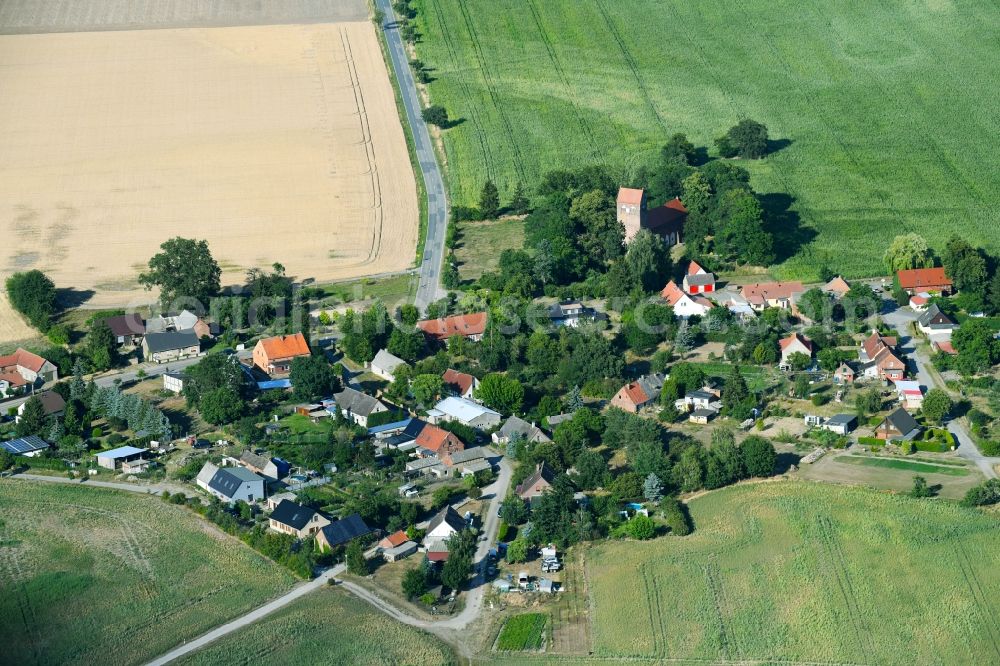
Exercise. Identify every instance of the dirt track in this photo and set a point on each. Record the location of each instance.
(274, 143)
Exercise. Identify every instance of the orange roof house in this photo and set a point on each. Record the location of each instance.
(772, 294)
(471, 326)
(438, 440)
(462, 383)
(878, 358)
(635, 395)
(274, 355)
(395, 539)
(916, 280)
(23, 367)
(838, 286)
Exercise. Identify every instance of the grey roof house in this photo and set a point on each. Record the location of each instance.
(528, 431)
(342, 531)
(358, 406)
(170, 346)
(230, 484)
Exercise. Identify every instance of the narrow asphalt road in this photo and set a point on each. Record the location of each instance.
(245, 620)
(429, 286)
(901, 319)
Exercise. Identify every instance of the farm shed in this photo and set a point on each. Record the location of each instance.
(841, 423)
(111, 459)
(29, 446)
(401, 551)
(136, 466)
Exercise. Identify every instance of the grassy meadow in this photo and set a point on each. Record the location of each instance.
(94, 576)
(325, 627)
(801, 572)
(882, 113)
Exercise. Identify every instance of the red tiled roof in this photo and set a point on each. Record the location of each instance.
(672, 293)
(22, 358)
(923, 278)
(630, 196)
(694, 268)
(466, 325)
(433, 438)
(837, 285)
(668, 217)
(285, 346)
(396, 539)
(946, 347)
(437, 556)
(792, 337)
(460, 380)
(12, 378)
(762, 292)
(634, 392)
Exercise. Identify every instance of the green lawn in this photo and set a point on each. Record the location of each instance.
(326, 627)
(391, 290)
(94, 576)
(480, 245)
(523, 632)
(883, 111)
(793, 572)
(909, 465)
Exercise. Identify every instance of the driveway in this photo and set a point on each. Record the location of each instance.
(429, 286)
(900, 319)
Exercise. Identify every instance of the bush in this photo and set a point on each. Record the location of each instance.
(436, 115)
(819, 399)
(676, 516)
(640, 528)
(96, 433)
(870, 441)
(990, 447)
(983, 494)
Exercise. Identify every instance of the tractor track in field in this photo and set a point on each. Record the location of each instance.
(979, 597)
(632, 64)
(10, 567)
(561, 73)
(653, 608)
(726, 643)
(477, 49)
(827, 125)
(473, 112)
(837, 568)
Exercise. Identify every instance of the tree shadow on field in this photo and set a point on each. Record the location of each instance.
(785, 225)
(784, 462)
(453, 122)
(701, 157)
(777, 145)
(69, 297)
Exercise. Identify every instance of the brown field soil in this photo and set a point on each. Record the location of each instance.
(12, 326)
(274, 143)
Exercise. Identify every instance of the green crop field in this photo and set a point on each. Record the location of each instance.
(908, 465)
(523, 632)
(328, 626)
(93, 576)
(883, 111)
(792, 572)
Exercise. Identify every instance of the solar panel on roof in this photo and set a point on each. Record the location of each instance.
(23, 445)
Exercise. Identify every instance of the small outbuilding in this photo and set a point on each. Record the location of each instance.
(842, 424)
(29, 446)
(115, 457)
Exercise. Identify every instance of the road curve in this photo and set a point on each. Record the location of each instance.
(429, 286)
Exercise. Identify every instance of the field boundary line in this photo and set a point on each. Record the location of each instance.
(835, 566)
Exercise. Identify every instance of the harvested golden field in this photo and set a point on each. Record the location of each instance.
(274, 143)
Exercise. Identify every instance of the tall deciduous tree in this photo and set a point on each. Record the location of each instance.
(184, 270)
(908, 251)
(33, 294)
(747, 139)
(312, 377)
(648, 257)
(759, 457)
(602, 236)
(936, 405)
(100, 346)
(502, 393)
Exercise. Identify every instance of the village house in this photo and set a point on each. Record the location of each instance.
(340, 532)
(461, 384)
(697, 280)
(764, 295)
(793, 343)
(30, 446)
(396, 546)
(535, 485)
(174, 382)
(53, 405)
(128, 329)
(837, 287)
(935, 322)
(919, 301)
(114, 458)
(440, 528)
(571, 313)
(272, 468)
(275, 355)
(467, 462)
(272, 501)
(878, 359)
(295, 519)
(385, 365)
(898, 426)
(702, 416)
(529, 432)
(24, 370)
(358, 406)
(170, 346)
(638, 394)
(910, 394)
(685, 306)
(465, 412)
(435, 441)
(403, 437)
(841, 424)
(703, 398)
(470, 326)
(844, 374)
(231, 484)
(930, 280)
